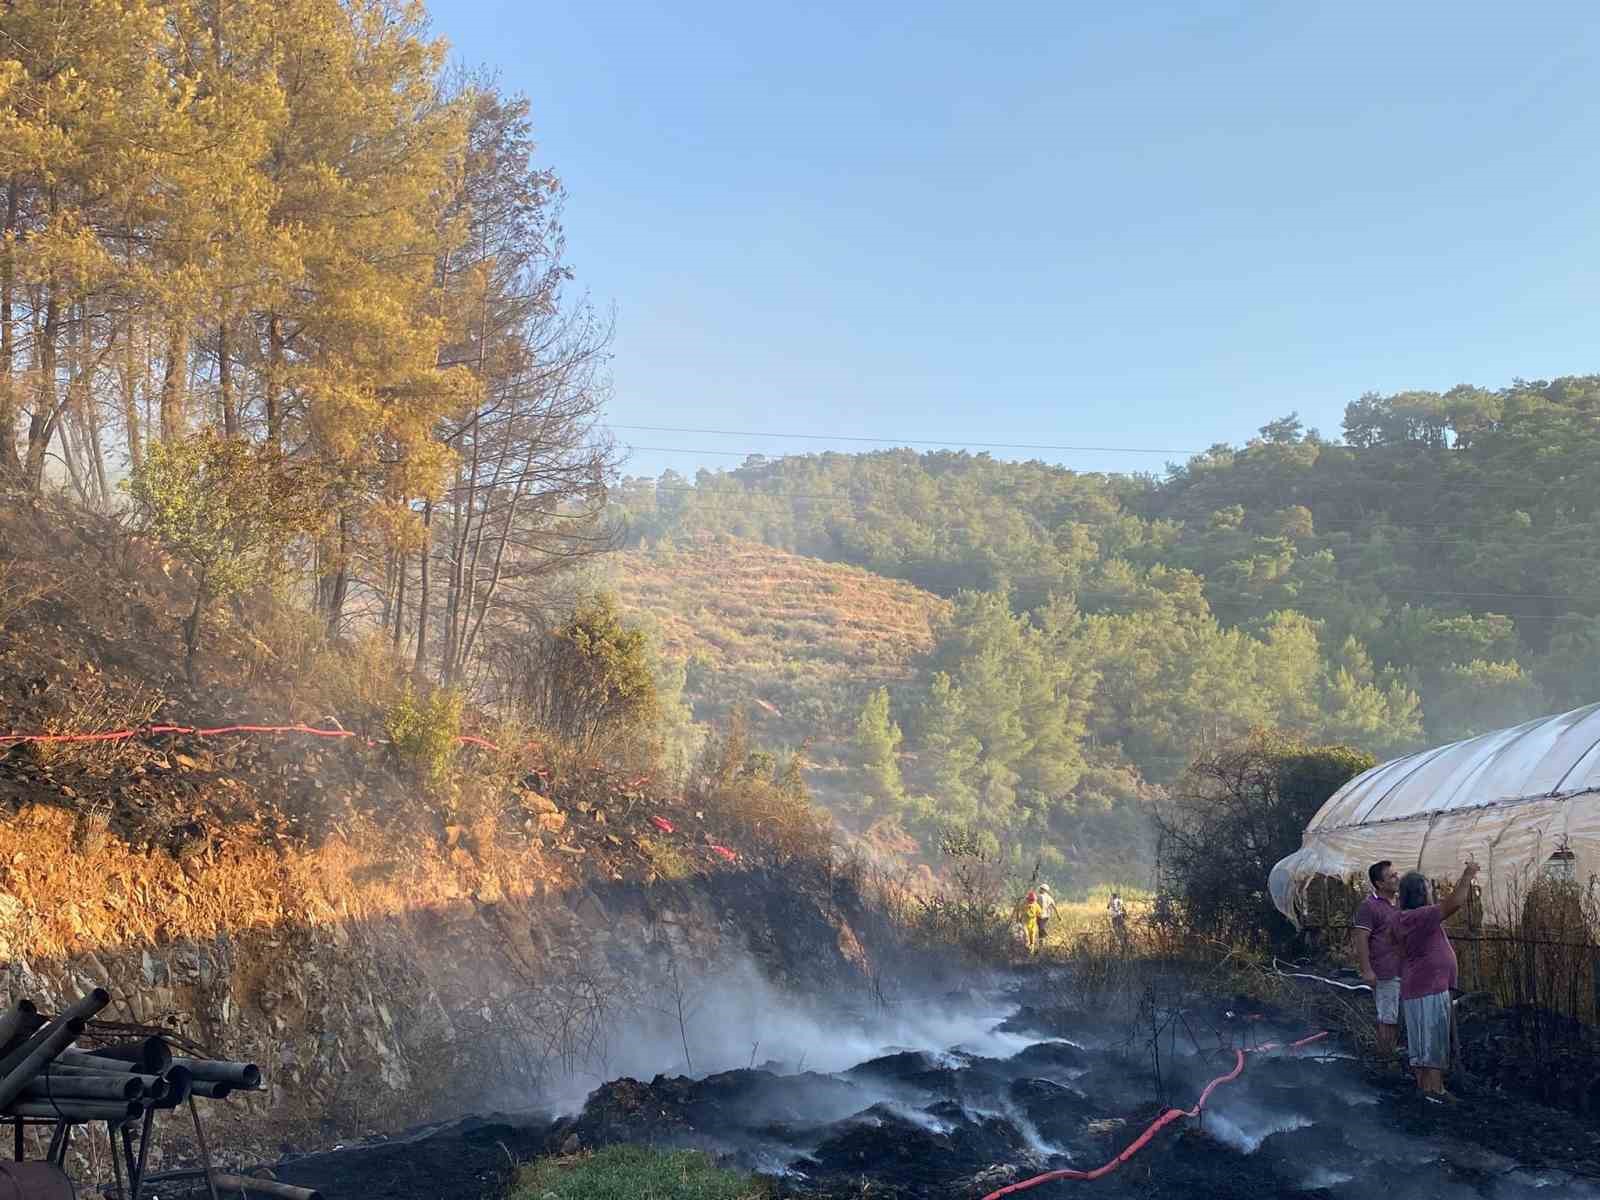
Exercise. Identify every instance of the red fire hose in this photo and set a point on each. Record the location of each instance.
(1160, 1123)
(125, 735)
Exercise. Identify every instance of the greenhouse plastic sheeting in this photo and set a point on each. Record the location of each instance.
(1509, 799)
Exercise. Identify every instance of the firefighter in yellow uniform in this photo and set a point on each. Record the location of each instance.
(1031, 911)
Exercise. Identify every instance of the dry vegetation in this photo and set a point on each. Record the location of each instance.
(796, 633)
(271, 831)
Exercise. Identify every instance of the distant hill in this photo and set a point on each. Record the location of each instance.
(1430, 576)
(796, 641)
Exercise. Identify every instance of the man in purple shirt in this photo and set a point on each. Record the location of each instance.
(1377, 954)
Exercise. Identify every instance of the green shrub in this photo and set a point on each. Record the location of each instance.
(631, 1172)
(224, 508)
(423, 730)
(1236, 811)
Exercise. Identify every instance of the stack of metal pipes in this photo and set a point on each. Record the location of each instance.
(42, 1075)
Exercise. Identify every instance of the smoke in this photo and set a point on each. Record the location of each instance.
(804, 1086)
(1246, 1132)
(733, 1017)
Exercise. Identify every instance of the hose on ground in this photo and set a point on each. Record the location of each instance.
(1155, 1127)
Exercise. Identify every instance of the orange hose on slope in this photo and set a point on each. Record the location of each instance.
(1160, 1123)
(124, 735)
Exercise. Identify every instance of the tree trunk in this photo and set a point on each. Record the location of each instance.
(69, 456)
(274, 400)
(130, 394)
(10, 464)
(338, 584)
(77, 380)
(42, 421)
(399, 600)
(97, 453)
(422, 586)
(493, 585)
(452, 598)
(230, 412)
(191, 632)
(174, 385)
(388, 590)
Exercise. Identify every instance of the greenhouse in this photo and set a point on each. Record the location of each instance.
(1523, 802)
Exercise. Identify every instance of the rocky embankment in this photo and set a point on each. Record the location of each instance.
(382, 970)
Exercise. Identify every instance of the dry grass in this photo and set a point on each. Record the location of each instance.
(789, 629)
(93, 703)
(113, 894)
(1549, 960)
(20, 586)
(1090, 916)
(774, 825)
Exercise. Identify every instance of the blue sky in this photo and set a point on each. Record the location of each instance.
(1144, 225)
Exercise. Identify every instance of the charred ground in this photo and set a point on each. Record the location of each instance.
(1051, 1085)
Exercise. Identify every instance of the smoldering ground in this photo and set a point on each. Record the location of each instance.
(956, 1094)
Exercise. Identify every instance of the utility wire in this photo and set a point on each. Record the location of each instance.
(955, 443)
(1474, 485)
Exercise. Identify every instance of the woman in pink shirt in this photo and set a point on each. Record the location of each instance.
(1427, 973)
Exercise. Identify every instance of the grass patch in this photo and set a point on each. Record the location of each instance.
(1074, 918)
(669, 864)
(635, 1173)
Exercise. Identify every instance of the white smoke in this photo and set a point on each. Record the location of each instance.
(736, 1018)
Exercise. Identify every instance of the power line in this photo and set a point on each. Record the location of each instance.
(953, 443)
(1422, 592)
(1437, 484)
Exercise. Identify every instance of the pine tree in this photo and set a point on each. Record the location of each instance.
(877, 741)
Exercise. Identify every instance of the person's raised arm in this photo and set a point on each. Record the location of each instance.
(1457, 899)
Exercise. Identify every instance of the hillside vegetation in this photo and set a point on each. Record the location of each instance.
(792, 644)
(1430, 576)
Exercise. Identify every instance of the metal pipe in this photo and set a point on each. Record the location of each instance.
(14, 1024)
(150, 1082)
(29, 1025)
(79, 1111)
(217, 1070)
(80, 1011)
(38, 1058)
(128, 1155)
(94, 1062)
(47, 1085)
(264, 1187)
(153, 1055)
(178, 1081)
(211, 1090)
